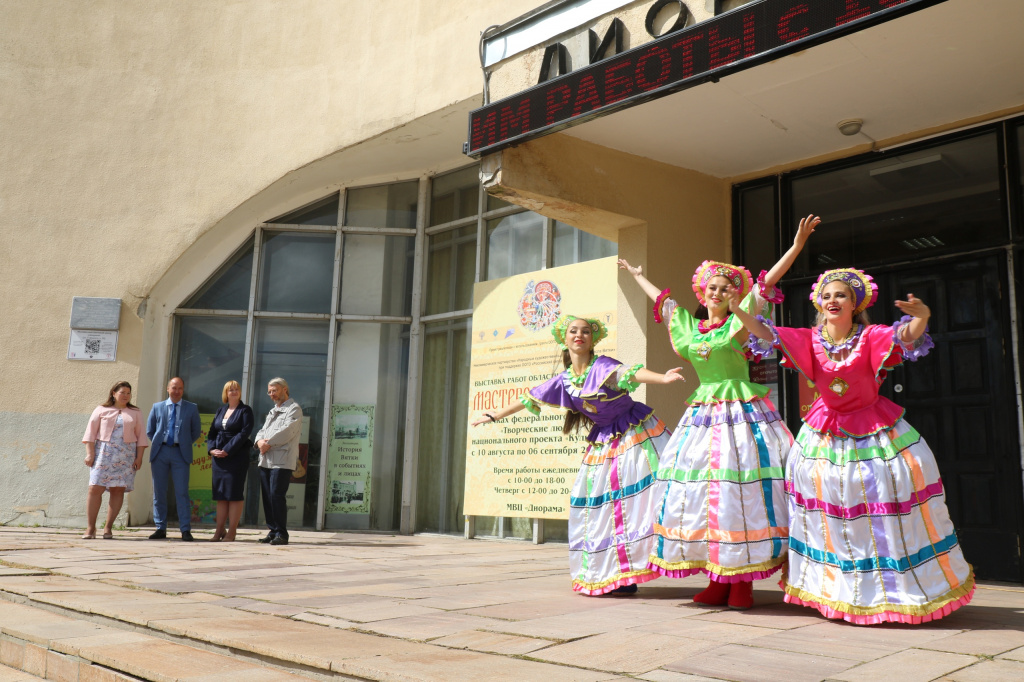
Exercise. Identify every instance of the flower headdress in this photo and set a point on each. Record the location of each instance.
(739, 277)
(598, 329)
(865, 292)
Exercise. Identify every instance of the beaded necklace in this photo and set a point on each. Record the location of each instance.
(578, 379)
(836, 347)
(704, 327)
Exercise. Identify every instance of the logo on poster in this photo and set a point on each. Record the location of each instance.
(540, 305)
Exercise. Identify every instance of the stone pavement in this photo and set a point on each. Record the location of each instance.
(383, 607)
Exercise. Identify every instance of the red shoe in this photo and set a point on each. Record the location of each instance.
(741, 596)
(715, 594)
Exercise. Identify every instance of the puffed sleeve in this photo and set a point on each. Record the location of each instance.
(681, 329)
(552, 393)
(92, 429)
(796, 348)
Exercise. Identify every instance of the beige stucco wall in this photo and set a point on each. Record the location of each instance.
(132, 128)
(665, 218)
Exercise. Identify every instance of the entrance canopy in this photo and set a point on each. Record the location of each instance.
(946, 62)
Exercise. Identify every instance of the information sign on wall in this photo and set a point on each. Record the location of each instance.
(523, 465)
(200, 476)
(349, 459)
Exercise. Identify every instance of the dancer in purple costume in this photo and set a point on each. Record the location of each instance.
(611, 509)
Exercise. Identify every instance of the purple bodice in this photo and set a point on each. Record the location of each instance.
(611, 409)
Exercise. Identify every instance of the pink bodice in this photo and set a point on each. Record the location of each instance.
(849, 404)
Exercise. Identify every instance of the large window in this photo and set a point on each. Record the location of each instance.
(324, 296)
(329, 310)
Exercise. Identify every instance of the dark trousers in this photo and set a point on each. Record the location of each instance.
(274, 486)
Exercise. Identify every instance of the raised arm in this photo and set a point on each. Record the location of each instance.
(805, 230)
(646, 376)
(752, 324)
(638, 274)
(916, 308)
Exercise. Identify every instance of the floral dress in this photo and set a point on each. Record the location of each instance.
(611, 508)
(871, 540)
(114, 466)
(721, 507)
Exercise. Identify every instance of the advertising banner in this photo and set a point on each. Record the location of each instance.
(349, 459)
(200, 477)
(523, 465)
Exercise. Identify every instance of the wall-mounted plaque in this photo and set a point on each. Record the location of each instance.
(92, 345)
(95, 313)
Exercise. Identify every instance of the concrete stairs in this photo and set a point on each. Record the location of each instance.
(39, 643)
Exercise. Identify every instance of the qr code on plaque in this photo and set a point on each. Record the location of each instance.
(92, 345)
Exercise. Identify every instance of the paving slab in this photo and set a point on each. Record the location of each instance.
(445, 665)
(989, 671)
(911, 665)
(988, 642)
(850, 642)
(429, 627)
(491, 642)
(752, 664)
(723, 633)
(672, 676)
(368, 612)
(625, 652)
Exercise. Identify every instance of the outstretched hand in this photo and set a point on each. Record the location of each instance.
(806, 229)
(482, 420)
(635, 271)
(914, 307)
(674, 374)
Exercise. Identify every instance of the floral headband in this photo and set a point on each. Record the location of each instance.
(865, 292)
(739, 277)
(597, 328)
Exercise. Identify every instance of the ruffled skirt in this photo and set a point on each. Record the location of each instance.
(721, 506)
(871, 539)
(611, 514)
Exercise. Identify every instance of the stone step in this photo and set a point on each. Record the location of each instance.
(8, 674)
(36, 643)
(91, 626)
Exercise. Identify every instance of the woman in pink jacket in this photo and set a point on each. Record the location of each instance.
(114, 442)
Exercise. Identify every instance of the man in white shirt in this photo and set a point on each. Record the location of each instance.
(278, 442)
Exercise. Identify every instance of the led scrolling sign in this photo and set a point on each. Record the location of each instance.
(750, 35)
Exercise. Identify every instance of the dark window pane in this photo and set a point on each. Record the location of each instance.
(1020, 156)
(376, 275)
(494, 203)
(297, 271)
(209, 354)
(295, 350)
(323, 212)
(229, 288)
(904, 206)
(454, 196)
(451, 270)
(514, 244)
(383, 205)
(757, 224)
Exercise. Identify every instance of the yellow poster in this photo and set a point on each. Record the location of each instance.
(200, 476)
(523, 465)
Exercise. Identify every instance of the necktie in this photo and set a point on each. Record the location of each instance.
(169, 439)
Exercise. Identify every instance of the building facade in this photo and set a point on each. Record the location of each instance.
(281, 189)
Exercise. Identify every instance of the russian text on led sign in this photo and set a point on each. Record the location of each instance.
(753, 34)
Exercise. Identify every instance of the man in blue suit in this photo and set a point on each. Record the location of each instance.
(173, 427)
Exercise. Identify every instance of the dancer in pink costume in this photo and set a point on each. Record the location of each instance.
(870, 536)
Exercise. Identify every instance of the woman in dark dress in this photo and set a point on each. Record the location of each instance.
(229, 444)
